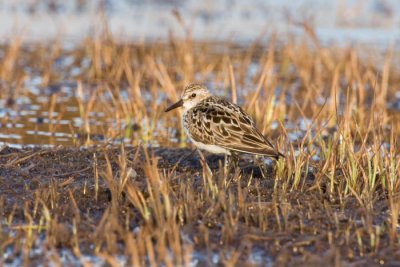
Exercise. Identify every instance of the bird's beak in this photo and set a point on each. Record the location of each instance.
(174, 106)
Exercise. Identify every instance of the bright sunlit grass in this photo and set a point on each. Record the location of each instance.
(334, 198)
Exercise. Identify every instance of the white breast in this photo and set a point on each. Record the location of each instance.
(211, 148)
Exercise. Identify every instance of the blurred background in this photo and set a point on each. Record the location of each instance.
(343, 21)
(81, 72)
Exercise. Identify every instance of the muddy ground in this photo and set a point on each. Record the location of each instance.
(307, 226)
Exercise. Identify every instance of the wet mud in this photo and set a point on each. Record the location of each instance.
(252, 216)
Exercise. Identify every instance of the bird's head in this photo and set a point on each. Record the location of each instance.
(191, 96)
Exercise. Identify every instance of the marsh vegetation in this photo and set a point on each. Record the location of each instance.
(114, 180)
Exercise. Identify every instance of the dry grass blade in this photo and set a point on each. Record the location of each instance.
(131, 193)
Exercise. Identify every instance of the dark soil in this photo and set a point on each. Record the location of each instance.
(304, 226)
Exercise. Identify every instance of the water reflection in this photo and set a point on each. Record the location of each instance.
(53, 116)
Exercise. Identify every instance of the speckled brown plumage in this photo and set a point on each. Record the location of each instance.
(216, 121)
(216, 125)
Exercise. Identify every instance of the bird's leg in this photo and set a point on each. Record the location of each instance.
(231, 162)
(259, 160)
(234, 160)
(227, 163)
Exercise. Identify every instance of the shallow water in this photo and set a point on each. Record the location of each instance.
(51, 116)
(345, 22)
(30, 120)
(65, 256)
(56, 114)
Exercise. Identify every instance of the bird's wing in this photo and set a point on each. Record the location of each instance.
(219, 122)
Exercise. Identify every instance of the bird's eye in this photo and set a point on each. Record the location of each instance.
(193, 95)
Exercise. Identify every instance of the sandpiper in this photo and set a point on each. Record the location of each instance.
(219, 126)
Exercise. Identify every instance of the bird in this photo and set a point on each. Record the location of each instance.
(218, 126)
